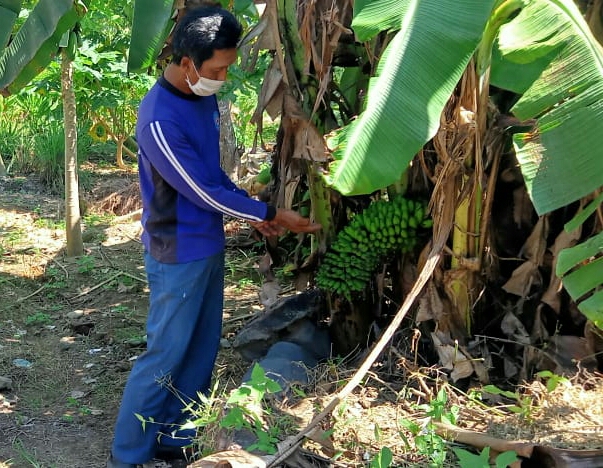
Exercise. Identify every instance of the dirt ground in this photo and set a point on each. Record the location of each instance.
(70, 329)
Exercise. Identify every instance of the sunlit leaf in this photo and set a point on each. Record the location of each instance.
(424, 62)
(581, 270)
(9, 12)
(37, 41)
(370, 18)
(561, 158)
(471, 460)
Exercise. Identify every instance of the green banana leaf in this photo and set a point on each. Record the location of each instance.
(581, 267)
(387, 13)
(37, 42)
(151, 26)
(582, 275)
(9, 12)
(548, 54)
(424, 62)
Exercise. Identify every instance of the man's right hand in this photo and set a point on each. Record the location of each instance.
(294, 222)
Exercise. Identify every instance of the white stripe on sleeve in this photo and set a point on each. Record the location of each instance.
(167, 151)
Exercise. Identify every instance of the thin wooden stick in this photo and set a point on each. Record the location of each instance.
(32, 294)
(108, 280)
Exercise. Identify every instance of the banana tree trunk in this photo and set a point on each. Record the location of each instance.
(73, 228)
(301, 128)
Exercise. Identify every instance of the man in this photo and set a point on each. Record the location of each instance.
(184, 193)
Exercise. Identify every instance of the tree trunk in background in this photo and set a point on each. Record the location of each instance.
(2, 167)
(73, 228)
(229, 152)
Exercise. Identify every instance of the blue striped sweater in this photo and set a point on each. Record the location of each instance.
(184, 190)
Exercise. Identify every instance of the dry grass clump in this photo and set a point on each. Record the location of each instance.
(570, 416)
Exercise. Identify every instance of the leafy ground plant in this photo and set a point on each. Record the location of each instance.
(523, 404)
(427, 442)
(246, 410)
(471, 460)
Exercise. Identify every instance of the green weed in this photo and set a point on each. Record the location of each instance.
(94, 219)
(244, 283)
(471, 460)
(523, 404)
(50, 223)
(56, 281)
(552, 380)
(383, 459)
(26, 455)
(122, 310)
(241, 269)
(81, 409)
(49, 148)
(246, 410)
(13, 236)
(85, 264)
(427, 442)
(39, 318)
(11, 140)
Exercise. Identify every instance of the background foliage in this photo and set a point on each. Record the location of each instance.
(107, 100)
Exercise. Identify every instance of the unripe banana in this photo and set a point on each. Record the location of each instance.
(383, 228)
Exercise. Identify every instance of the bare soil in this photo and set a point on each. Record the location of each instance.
(70, 329)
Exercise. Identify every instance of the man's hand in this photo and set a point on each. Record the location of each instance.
(294, 222)
(268, 228)
(285, 219)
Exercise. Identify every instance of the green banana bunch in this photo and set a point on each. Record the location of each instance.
(383, 228)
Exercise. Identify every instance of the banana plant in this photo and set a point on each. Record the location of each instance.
(545, 53)
(36, 42)
(50, 27)
(424, 63)
(415, 78)
(560, 158)
(153, 21)
(581, 268)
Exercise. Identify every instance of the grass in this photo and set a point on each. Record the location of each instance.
(10, 237)
(25, 455)
(49, 148)
(38, 318)
(241, 269)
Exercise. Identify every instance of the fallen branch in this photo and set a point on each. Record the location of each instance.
(94, 288)
(540, 455)
(108, 280)
(129, 217)
(41, 288)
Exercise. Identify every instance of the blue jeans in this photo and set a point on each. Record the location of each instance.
(184, 326)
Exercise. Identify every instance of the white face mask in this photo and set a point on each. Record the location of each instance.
(204, 86)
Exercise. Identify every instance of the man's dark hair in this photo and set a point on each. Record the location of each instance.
(203, 30)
